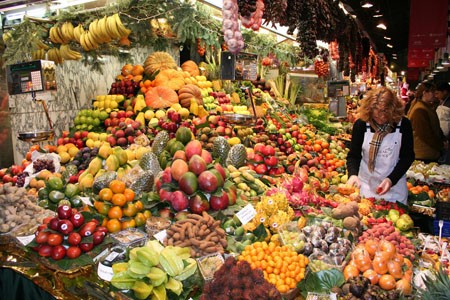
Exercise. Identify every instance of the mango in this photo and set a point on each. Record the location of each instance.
(142, 290)
(112, 163)
(141, 151)
(95, 165)
(87, 182)
(121, 155)
(141, 119)
(105, 150)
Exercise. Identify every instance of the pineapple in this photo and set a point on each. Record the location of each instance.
(160, 142)
(237, 156)
(220, 149)
(436, 287)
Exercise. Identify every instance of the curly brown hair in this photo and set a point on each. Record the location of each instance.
(385, 97)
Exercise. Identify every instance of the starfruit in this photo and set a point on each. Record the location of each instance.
(133, 253)
(181, 252)
(159, 293)
(137, 269)
(189, 270)
(119, 267)
(157, 276)
(174, 285)
(123, 280)
(155, 246)
(142, 290)
(148, 256)
(170, 262)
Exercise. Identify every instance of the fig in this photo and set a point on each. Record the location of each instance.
(308, 249)
(324, 246)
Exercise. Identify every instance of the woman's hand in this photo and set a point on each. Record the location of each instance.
(354, 181)
(384, 186)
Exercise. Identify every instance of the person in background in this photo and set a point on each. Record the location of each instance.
(443, 111)
(428, 137)
(411, 97)
(382, 147)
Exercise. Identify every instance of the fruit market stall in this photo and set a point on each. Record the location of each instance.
(155, 192)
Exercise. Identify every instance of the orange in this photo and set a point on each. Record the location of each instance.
(129, 194)
(128, 224)
(115, 212)
(129, 210)
(387, 282)
(379, 265)
(140, 219)
(372, 276)
(147, 214)
(117, 186)
(102, 207)
(113, 225)
(350, 271)
(362, 261)
(105, 194)
(139, 205)
(395, 269)
(371, 247)
(119, 199)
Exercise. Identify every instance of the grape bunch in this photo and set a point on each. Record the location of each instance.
(43, 164)
(21, 179)
(82, 159)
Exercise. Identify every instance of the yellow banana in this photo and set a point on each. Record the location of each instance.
(53, 37)
(111, 27)
(60, 35)
(120, 27)
(67, 31)
(84, 41)
(92, 41)
(101, 26)
(77, 32)
(58, 54)
(93, 29)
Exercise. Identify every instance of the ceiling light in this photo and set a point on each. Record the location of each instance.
(377, 15)
(382, 26)
(66, 4)
(394, 57)
(366, 4)
(387, 38)
(13, 7)
(390, 46)
(403, 73)
(439, 65)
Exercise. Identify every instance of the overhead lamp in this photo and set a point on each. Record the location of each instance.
(377, 15)
(394, 57)
(13, 8)
(381, 25)
(390, 46)
(435, 70)
(65, 4)
(387, 38)
(366, 4)
(445, 61)
(439, 65)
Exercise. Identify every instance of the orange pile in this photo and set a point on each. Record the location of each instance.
(282, 266)
(382, 265)
(116, 203)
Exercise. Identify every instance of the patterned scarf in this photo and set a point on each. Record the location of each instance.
(380, 132)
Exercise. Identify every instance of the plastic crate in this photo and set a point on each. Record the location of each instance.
(445, 228)
(443, 210)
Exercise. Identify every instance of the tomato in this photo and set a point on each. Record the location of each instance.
(45, 250)
(54, 239)
(73, 252)
(86, 247)
(42, 237)
(98, 237)
(88, 229)
(74, 238)
(58, 252)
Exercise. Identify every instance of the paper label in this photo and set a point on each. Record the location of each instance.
(86, 200)
(246, 214)
(161, 236)
(104, 272)
(25, 240)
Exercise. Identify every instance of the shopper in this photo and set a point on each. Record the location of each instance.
(443, 111)
(381, 149)
(428, 136)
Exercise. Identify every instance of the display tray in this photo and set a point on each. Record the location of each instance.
(239, 119)
(36, 136)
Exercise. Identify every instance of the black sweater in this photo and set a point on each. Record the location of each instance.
(406, 150)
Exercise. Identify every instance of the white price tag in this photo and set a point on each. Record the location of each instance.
(246, 214)
(86, 200)
(25, 240)
(160, 236)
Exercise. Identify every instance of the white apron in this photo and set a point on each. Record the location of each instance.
(387, 158)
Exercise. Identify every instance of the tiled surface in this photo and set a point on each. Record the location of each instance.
(77, 85)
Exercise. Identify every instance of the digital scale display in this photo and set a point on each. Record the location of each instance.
(28, 77)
